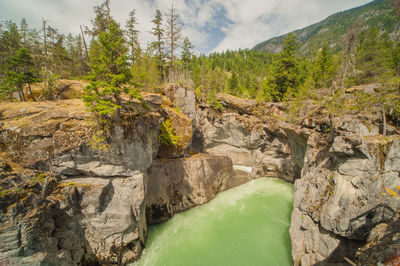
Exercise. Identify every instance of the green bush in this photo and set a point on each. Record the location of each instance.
(168, 135)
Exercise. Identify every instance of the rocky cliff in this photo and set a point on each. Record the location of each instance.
(342, 170)
(95, 209)
(69, 198)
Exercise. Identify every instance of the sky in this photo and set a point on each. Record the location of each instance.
(211, 25)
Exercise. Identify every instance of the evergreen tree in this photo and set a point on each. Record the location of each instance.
(233, 84)
(133, 36)
(24, 30)
(187, 50)
(285, 76)
(19, 70)
(102, 19)
(10, 40)
(109, 72)
(324, 67)
(158, 45)
(145, 71)
(372, 57)
(395, 57)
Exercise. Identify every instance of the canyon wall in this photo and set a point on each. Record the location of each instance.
(68, 197)
(342, 169)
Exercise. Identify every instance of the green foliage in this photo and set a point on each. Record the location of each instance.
(187, 50)
(372, 57)
(145, 71)
(296, 100)
(285, 73)
(11, 192)
(98, 140)
(168, 135)
(378, 13)
(133, 36)
(233, 85)
(215, 104)
(19, 70)
(38, 179)
(324, 67)
(109, 72)
(239, 73)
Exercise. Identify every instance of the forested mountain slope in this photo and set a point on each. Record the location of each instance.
(379, 13)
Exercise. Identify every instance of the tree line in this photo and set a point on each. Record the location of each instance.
(29, 55)
(115, 63)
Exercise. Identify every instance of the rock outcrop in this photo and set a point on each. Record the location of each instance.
(256, 141)
(69, 198)
(340, 196)
(175, 185)
(101, 205)
(383, 245)
(183, 98)
(341, 168)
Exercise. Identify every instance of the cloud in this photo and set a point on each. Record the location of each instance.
(256, 21)
(211, 25)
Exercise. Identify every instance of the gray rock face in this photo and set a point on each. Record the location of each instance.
(111, 213)
(250, 141)
(175, 185)
(183, 98)
(339, 198)
(339, 183)
(382, 246)
(98, 213)
(127, 153)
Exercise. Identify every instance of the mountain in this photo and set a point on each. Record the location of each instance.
(378, 13)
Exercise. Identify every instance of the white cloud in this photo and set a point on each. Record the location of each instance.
(210, 24)
(256, 21)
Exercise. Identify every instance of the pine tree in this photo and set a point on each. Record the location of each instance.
(145, 72)
(102, 19)
(24, 30)
(372, 56)
(158, 45)
(324, 67)
(109, 72)
(233, 85)
(187, 50)
(285, 76)
(19, 70)
(133, 36)
(10, 39)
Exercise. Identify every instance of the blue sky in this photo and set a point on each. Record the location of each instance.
(211, 25)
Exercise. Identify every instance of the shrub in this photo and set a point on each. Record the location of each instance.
(168, 135)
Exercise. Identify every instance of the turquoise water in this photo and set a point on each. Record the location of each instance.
(247, 225)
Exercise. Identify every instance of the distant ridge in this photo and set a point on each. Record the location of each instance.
(378, 13)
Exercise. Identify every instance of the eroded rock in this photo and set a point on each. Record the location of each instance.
(175, 185)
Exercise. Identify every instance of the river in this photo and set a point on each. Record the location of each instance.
(247, 225)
